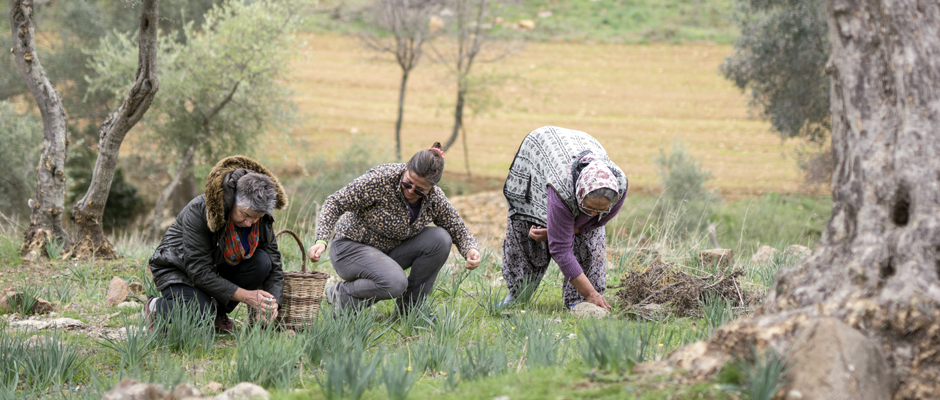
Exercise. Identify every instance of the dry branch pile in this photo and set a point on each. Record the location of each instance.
(664, 287)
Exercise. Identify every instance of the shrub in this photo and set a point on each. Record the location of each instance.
(685, 205)
(763, 374)
(136, 345)
(398, 375)
(21, 135)
(187, 329)
(26, 298)
(540, 340)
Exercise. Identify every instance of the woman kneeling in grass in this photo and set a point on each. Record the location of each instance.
(220, 251)
(381, 221)
(561, 189)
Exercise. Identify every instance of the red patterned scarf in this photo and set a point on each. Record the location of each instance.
(232, 249)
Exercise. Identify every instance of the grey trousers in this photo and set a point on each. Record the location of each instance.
(372, 275)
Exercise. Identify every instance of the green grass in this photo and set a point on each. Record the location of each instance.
(611, 21)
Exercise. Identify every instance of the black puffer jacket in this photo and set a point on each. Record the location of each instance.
(189, 252)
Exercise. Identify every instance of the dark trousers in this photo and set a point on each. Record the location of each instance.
(372, 275)
(248, 274)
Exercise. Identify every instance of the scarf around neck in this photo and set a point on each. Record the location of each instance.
(232, 249)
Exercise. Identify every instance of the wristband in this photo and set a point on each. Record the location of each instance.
(322, 241)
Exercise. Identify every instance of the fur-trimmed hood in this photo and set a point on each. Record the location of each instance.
(220, 188)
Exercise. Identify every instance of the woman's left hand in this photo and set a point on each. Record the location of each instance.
(538, 233)
(473, 259)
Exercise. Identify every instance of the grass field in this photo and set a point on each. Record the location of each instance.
(635, 99)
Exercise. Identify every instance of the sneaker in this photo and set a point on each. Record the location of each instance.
(223, 324)
(332, 298)
(506, 301)
(148, 312)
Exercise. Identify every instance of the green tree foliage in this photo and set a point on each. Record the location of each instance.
(220, 86)
(781, 56)
(73, 28)
(21, 135)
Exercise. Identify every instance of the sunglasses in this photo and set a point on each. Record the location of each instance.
(409, 186)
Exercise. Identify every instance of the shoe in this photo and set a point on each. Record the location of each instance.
(224, 324)
(148, 313)
(506, 301)
(333, 298)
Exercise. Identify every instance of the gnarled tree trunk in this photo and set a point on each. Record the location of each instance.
(877, 265)
(87, 212)
(45, 218)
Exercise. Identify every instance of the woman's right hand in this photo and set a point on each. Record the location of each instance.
(598, 299)
(256, 299)
(538, 234)
(315, 251)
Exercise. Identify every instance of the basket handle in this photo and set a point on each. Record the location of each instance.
(303, 250)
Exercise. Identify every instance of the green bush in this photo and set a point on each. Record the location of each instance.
(685, 206)
(21, 135)
(9, 251)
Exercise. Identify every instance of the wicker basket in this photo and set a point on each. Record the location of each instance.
(303, 290)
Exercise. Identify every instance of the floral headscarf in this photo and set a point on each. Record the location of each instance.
(592, 177)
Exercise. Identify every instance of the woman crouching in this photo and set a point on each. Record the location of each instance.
(381, 221)
(221, 251)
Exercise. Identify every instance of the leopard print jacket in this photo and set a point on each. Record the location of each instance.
(372, 210)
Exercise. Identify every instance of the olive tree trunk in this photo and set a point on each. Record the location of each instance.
(87, 212)
(877, 265)
(45, 217)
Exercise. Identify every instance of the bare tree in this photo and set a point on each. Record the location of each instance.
(470, 25)
(877, 265)
(87, 212)
(45, 218)
(409, 22)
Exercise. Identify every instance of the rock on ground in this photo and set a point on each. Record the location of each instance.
(830, 360)
(117, 292)
(244, 390)
(764, 254)
(797, 251)
(585, 309)
(721, 258)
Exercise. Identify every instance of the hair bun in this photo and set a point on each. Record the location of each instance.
(437, 145)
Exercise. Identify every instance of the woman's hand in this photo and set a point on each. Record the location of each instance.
(598, 299)
(315, 251)
(257, 299)
(473, 259)
(538, 234)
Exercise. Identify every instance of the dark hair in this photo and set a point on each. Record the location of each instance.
(428, 164)
(607, 193)
(255, 192)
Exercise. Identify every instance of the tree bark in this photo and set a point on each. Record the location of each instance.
(87, 212)
(155, 230)
(458, 118)
(877, 265)
(401, 112)
(45, 219)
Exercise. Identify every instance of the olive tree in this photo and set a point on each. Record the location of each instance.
(222, 86)
(877, 266)
(47, 208)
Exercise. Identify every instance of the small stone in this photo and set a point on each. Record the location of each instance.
(526, 24)
(720, 258)
(763, 255)
(212, 387)
(244, 390)
(501, 398)
(589, 310)
(29, 324)
(798, 252)
(544, 14)
(130, 304)
(136, 288)
(117, 292)
(129, 389)
(65, 323)
(794, 395)
(184, 391)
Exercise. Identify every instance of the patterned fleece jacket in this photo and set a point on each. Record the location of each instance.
(372, 210)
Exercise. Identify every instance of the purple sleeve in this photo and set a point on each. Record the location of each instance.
(561, 236)
(594, 224)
